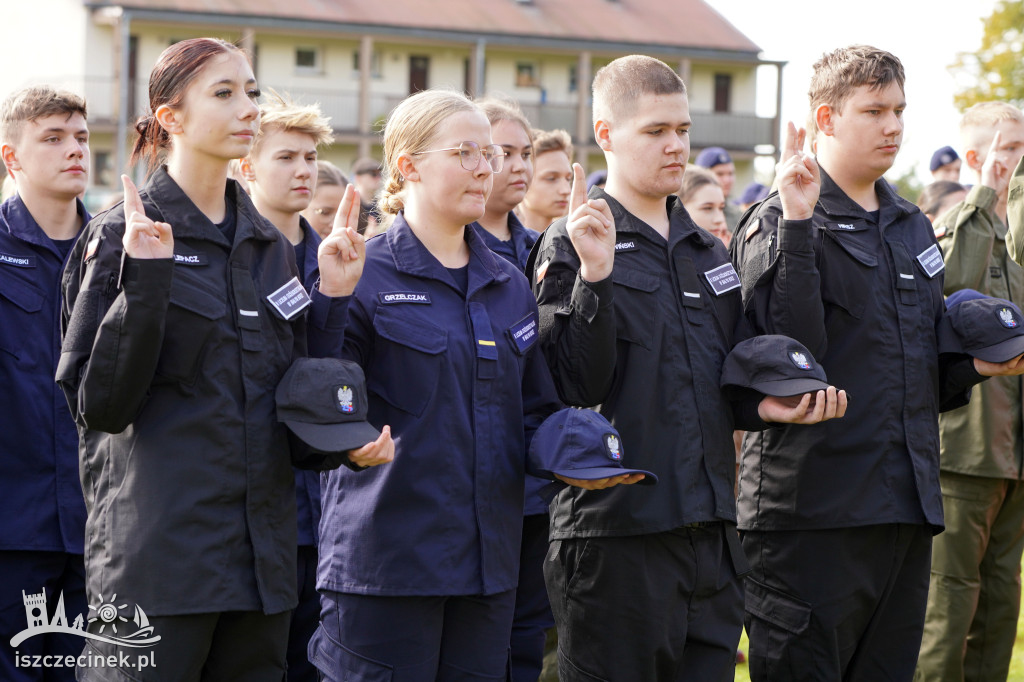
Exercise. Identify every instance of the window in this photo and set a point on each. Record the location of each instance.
(723, 90)
(573, 78)
(307, 60)
(526, 75)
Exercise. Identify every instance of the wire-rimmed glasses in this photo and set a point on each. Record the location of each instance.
(470, 153)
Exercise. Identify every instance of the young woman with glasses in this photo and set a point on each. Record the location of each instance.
(419, 557)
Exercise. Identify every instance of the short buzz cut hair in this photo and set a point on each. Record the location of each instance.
(280, 113)
(978, 122)
(837, 74)
(30, 104)
(619, 85)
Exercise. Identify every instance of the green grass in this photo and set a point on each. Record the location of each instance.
(1016, 663)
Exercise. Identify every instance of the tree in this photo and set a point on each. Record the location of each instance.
(996, 70)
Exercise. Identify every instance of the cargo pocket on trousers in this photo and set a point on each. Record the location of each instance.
(775, 620)
(338, 664)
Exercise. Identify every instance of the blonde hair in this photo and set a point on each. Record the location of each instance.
(34, 103)
(619, 85)
(412, 126)
(496, 110)
(551, 141)
(280, 113)
(977, 123)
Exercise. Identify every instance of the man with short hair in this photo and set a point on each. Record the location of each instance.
(838, 518)
(44, 142)
(638, 309)
(281, 172)
(974, 593)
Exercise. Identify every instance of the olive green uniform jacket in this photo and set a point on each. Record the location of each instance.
(983, 438)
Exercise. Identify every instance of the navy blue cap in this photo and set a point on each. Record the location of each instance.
(941, 157)
(323, 401)
(580, 443)
(713, 156)
(753, 193)
(774, 365)
(598, 177)
(987, 328)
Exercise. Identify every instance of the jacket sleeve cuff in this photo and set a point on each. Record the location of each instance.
(589, 297)
(983, 197)
(796, 235)
(144, 273)
(329, 313)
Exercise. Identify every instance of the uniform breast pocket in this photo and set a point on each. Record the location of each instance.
(848, 270)
(20, 301)
(408, 355)
(192, 316)
(636, 306)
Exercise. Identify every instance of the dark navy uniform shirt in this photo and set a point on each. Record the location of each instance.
(41, 503)
(459, 378)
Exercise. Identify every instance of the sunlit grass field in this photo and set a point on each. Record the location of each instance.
(1016, 665)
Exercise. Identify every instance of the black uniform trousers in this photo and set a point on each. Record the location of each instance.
(646, 608)
(837, 604)
(305, 618)
(532, 616)
(206, 647)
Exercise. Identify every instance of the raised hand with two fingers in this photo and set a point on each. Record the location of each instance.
(797, 176)
(144, 238)
(591, 230)
(343, 253)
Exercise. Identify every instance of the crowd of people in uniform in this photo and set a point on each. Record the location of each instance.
(484, 310)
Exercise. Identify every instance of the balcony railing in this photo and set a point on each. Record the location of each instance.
(733, 131)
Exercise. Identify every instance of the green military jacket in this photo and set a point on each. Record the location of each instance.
(1015, 215)
(984, 437)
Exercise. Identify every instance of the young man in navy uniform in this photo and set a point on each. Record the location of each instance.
(638, 309)
(837, 519)
(281, 172)
(45, 147)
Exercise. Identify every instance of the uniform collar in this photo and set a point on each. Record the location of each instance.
(19, 223)
(837, 204)
(681, 226)
(188, 221)
(413, 258)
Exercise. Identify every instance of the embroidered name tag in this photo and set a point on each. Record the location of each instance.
(931, 260)
(191, 259)
(846, 227)
(723, 279)
(393, 297)
(625, 246)
(290, 299)
(524, 333)
(18, 261)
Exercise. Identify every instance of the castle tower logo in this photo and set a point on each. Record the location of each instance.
(115, 626)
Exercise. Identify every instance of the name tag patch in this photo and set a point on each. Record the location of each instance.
(931, 260)
(393, 297)
(626, 246)
(18, 261)
(290, 299)
(523, 333)
(846, 227)
(723, 279)
(191, 259)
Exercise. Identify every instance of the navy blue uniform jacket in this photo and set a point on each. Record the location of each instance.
(41, 505)
(461, 393)
(854, 290)
(170, 367)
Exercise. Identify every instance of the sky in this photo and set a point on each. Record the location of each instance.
(926, 37)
